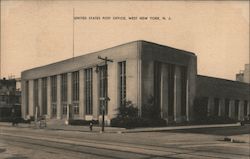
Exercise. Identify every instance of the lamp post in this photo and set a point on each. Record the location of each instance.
(105, 98)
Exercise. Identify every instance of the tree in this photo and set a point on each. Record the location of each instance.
(149, 110)
(127, 110)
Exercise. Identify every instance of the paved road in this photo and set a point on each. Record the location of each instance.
(26, 143)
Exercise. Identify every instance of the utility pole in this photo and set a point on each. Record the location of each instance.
(105, 98)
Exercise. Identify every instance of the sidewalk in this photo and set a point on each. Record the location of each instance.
(64, 127)
(84, 128)
(118, 130)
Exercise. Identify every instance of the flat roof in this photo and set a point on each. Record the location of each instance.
(109, 48)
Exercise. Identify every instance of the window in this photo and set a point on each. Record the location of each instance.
(122, 82)
(75, 91)
(245, 108)
(171, 74)
(88, 91)
(44, 96)
(216, 106)
(3, 98)
(76, 108)
(64, 91)
(157, 87)
(27, 97)
(183, 90)
(236, 109)
(227, 107)
(35, 94)
(201, 107)
(53, 89)
(75, 86)
(54, 95)
(103, 88)
(64, 109)
(54, 110)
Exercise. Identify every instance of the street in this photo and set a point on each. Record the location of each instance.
(30, 143)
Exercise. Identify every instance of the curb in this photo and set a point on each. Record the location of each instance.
(137, 130)
(159, 129)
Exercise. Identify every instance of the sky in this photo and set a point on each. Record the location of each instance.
(36, 33)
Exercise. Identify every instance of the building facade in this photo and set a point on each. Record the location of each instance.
(10, 98)
(220, 97)
(141, 71)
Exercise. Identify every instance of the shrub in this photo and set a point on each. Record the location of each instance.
(83, 122)
(16, 119)
(6, 119)
(32, 118)
(214, 120)
(127, 116)
(137, 122)
(150, 110)
(127, 110)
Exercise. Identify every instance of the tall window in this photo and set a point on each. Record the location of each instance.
(236, 109)
(54, 95)
(75, 91)
(183, 90)
(122, 82)
(35, 94)
(44, 96)
(103, 88)
(27, 97)
(245, 108)
(171, 89)
(64, 91)
(157, 87)
(216, 106)
(64, 108)
(88, 91)
(227, 107)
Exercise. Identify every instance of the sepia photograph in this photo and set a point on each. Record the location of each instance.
(124, 79)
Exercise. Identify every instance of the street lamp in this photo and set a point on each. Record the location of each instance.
(105, 98)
